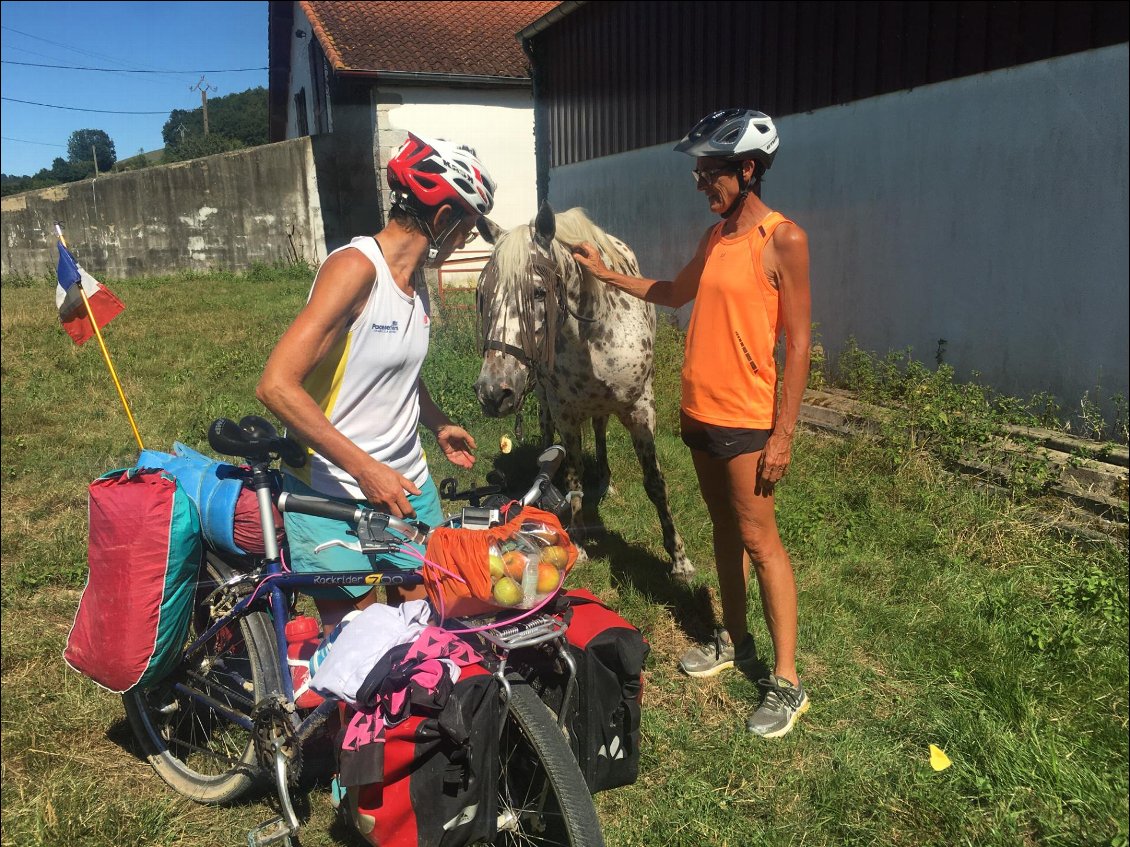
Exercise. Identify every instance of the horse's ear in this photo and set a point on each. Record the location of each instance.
(545, 225)
(488, 229)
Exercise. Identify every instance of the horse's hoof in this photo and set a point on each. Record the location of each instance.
(683, 572)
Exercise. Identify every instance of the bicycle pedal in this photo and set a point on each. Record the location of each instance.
(274, 831)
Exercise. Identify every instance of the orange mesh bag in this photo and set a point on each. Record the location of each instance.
(514, 565)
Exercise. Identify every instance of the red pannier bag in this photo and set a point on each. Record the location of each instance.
(145, 548)
(433, 777)
(603, 716)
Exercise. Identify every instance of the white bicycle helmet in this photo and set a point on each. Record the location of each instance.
(733, 134)
(431, 172)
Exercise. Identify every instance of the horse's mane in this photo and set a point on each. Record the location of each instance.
(573, 226)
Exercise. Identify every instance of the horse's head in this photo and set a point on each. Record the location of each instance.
(520, 296)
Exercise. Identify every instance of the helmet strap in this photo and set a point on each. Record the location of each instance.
(743, 190)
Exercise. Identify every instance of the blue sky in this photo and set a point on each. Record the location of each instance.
(184, 38)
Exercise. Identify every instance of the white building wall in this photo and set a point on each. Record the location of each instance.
(991, 211)
(299, 72)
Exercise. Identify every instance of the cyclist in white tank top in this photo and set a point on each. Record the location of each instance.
(345, 376)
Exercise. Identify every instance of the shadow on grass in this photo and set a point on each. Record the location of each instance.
(318, 767)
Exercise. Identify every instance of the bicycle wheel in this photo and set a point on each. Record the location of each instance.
(542, 796)
(197, 750)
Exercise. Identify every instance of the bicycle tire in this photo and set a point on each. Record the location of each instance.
(542, 796)
(198, 752)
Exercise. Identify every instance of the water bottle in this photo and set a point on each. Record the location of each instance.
(303, 636)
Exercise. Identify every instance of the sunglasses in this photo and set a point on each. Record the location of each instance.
(707, 177)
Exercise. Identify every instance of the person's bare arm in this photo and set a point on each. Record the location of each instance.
(790, 248)
(673, 293)
(343, 287)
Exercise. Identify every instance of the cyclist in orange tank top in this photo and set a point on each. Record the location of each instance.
(749, 281)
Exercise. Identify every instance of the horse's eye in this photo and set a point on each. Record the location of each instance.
(539, 293)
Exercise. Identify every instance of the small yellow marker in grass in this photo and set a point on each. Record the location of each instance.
(939, 761)
(505, 444)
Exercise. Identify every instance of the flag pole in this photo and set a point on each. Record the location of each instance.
(105, 352)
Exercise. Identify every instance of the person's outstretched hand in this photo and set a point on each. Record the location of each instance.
(457, 445)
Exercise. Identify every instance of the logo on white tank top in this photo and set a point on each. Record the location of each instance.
(392, 327)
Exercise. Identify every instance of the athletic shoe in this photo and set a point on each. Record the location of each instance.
(778, 712)
(718, 655)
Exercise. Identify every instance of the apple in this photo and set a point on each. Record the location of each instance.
(514, 563)
(507, 592)
(497, 567)
(548, 578)
(556, 556)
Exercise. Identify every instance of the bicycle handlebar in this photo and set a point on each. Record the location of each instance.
(372, 524)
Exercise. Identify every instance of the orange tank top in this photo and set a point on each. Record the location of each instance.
(729, 374)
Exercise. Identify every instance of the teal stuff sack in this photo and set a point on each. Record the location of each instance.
(213, 486)
(145, 551)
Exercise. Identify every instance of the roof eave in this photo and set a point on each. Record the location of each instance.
(429, 78)
(550, 18)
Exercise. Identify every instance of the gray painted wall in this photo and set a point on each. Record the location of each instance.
(220, 212)
(990, 211)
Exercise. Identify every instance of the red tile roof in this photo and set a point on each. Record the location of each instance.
(439, 37)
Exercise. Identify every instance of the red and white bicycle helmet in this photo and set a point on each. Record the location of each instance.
(432, 172)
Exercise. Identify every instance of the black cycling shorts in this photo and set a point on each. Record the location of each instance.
(722, 442)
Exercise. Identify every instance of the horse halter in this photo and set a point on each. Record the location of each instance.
(556, 300)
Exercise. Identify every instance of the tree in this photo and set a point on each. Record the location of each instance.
(64, 171)
(195, 146)
(241, 116)
(84, 143)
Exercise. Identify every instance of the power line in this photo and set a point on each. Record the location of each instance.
(78, 109)
(129, 71)
(69, 46)
(25, 141)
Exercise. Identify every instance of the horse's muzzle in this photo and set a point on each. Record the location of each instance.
(496, 399)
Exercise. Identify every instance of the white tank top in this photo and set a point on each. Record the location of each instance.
(368, 384)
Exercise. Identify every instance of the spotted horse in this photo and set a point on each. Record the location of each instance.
(585, 348)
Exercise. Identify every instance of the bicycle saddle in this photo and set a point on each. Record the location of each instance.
(255, 439)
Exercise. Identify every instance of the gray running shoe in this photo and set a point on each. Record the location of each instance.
(778, 712)
(718, 655)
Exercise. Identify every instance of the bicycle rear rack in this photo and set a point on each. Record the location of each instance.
(531, 633)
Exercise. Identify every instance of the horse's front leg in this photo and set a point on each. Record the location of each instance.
(600, 433)
(574, 470)
(545, 419)
(640, 422)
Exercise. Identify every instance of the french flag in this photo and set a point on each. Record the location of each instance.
(73, 280)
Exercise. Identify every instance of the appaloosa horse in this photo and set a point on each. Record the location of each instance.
(585, 347)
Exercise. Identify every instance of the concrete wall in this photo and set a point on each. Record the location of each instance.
(990, 211)
(222, 212)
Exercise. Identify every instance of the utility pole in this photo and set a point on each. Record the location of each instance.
(94, 153)
(204, 88)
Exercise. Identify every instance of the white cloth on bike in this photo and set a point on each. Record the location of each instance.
(368, 384)
(364, 642)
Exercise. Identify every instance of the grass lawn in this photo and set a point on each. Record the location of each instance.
(931, 613)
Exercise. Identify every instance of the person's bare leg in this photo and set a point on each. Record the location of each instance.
(729, 554)
(753, 505)
(332, 610)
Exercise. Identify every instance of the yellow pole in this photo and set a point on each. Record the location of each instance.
(105, 352)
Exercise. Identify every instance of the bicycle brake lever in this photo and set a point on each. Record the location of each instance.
(337, 542)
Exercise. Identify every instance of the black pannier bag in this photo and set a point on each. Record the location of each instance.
(603, 716)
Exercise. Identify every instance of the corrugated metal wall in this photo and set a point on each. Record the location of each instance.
(618, 76)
